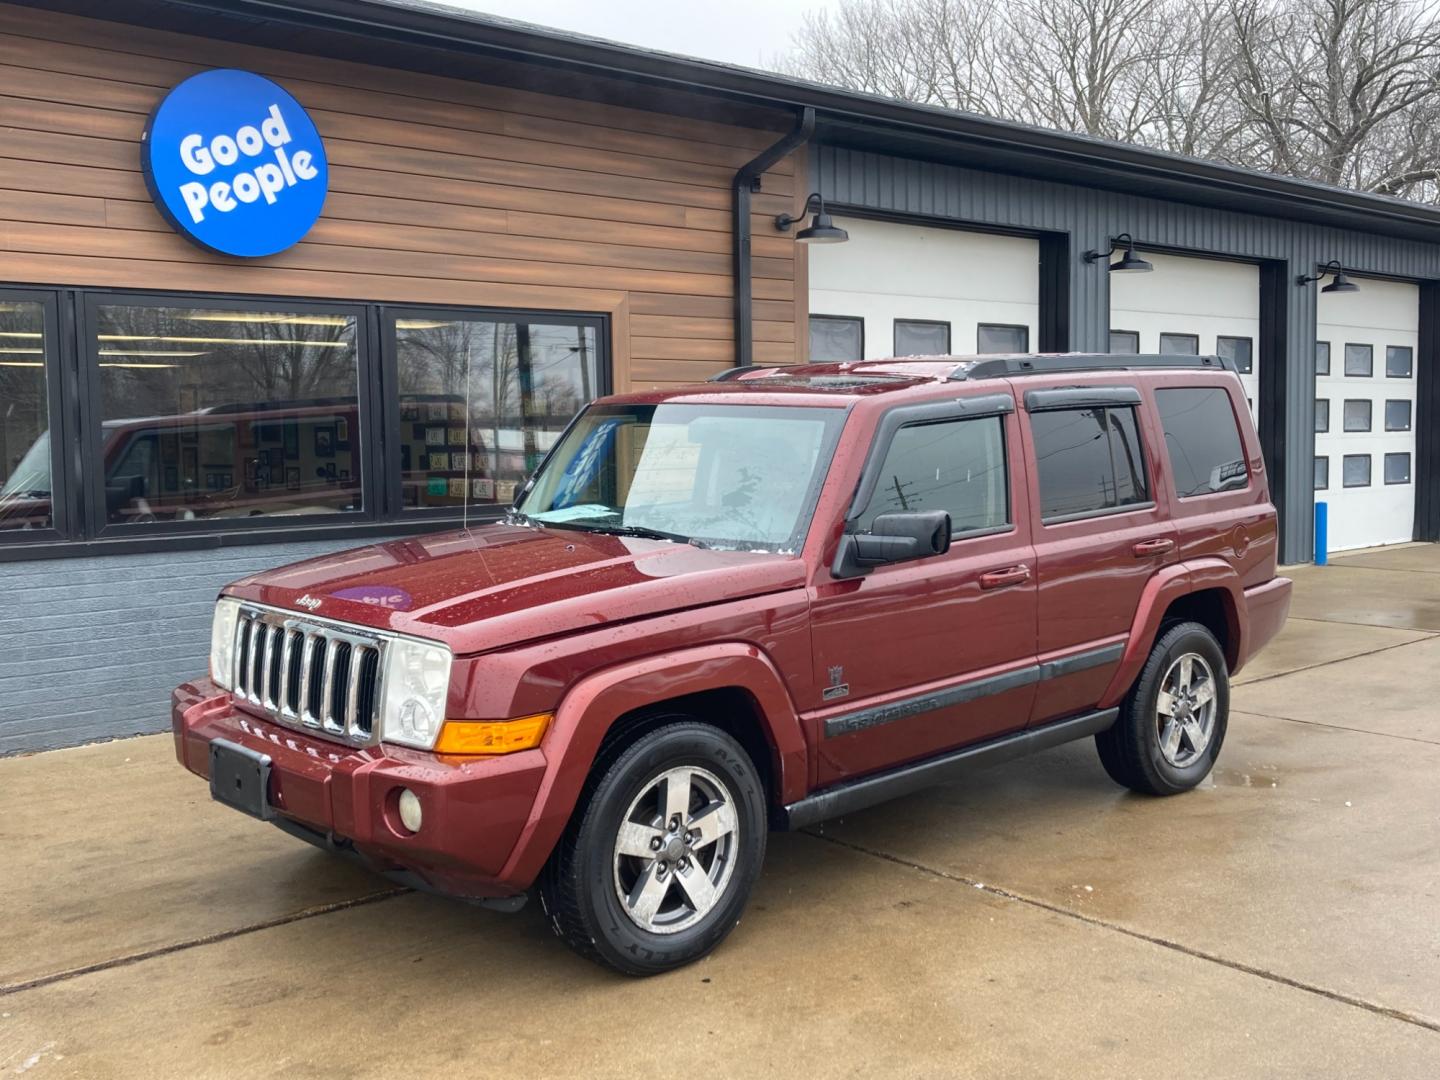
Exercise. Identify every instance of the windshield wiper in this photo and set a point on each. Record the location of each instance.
(642, 531)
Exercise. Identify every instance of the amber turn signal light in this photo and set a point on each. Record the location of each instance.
(474, 737)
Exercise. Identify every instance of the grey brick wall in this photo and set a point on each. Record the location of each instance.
(91, 648)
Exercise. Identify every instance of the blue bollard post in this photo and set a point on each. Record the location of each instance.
(1322, 533)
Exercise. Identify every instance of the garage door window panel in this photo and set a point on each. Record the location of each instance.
(1322, 415)
(1179, 344)
(1322, 358)
(1238, 350)
(957, 466)
(1357, 414)
(1359, 361)
(1322, 473)
(921, 337)
(215, 415)
(1397, 468)
(1397, 415)
(1355, 470)
(1002, 338)
(1399, 361)
(1091, 461)
(1126, 342)
(836, 339)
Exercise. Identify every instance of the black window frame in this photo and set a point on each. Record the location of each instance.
(1328, 352)
(895, 334)
(1325, 459)
(1319, 412)
(72, 346)
(1345, 427)
(834, 318)
(1249, 368)
(1022, 327)
(1369, 470)
(388, 315)
(1345, 371)
(1409, 414)
(59, 388)
(1135, 334)
(1160, 344)
(1409, 366)
(1409, 468)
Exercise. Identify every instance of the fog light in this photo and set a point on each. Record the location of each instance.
(410, 810)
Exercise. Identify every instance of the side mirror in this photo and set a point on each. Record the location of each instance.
(894, 538)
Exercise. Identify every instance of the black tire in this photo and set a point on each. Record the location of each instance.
(581, 884)
(1131, 749)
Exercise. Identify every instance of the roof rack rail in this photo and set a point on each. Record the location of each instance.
(1013, 366)
(736, 372)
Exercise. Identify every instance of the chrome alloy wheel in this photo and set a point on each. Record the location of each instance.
(675, 851)
(1185, 710)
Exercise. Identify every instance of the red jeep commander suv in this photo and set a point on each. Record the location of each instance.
(749, 604)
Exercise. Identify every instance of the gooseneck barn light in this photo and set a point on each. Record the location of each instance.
(1129, 263)
(1330, 269)
(821, 229)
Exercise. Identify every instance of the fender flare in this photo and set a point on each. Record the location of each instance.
(1166, 586)
(591, 707)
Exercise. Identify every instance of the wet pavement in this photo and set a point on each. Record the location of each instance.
(1282, 920)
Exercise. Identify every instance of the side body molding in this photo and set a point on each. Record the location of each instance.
(1164, 588)
(592, 706)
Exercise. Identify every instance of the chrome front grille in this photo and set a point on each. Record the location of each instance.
(309, 674)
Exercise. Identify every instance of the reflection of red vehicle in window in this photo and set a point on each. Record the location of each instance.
(233, 461)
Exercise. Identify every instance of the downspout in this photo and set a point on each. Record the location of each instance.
(747, 180)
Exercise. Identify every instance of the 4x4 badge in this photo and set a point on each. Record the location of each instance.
(308, 602)
(838, 687)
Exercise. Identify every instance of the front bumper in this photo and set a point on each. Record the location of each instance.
(345, 797)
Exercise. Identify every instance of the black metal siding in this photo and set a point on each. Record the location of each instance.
(1089, 217)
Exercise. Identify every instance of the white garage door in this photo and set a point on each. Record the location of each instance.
(1365, 412)
(908, 290)
(1186, 305)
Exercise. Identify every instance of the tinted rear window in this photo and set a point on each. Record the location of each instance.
(1202, 440)
(1090, 461)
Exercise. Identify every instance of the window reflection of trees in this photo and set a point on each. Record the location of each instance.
(24, 418)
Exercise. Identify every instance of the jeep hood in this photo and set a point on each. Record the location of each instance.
(502, 585)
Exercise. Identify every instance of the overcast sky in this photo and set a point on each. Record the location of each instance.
(736, 31)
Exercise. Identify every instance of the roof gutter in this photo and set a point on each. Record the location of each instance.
(747, 180)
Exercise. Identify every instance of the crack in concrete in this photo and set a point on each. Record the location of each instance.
(1165, 943)
(209, 939)
(1330, 663)
(1337, 727)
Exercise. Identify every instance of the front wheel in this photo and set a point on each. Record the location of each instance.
(659, 861)
(1173, 721)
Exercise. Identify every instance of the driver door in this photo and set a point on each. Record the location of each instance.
(924, 656)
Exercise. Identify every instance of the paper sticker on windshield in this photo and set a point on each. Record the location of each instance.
(572, 513)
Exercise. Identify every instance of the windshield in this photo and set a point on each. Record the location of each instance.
(738, 477)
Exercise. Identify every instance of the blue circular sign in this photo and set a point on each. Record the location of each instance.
(235, 164)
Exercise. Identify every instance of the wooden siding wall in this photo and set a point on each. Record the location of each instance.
(441, 191)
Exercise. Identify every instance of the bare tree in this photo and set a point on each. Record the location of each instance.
(1342, 91)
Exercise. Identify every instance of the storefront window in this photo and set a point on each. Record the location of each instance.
(25, 483)
(481, 401)
(221, 414)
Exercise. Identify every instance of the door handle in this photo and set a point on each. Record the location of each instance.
(1160, 546)
(999, 579)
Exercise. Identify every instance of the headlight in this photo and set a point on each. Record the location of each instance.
(416, 682)
(222, 643)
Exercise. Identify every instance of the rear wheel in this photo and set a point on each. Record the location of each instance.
(659, 861)
(1173, 721)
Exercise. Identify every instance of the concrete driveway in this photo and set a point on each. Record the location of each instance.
(1284, 920)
